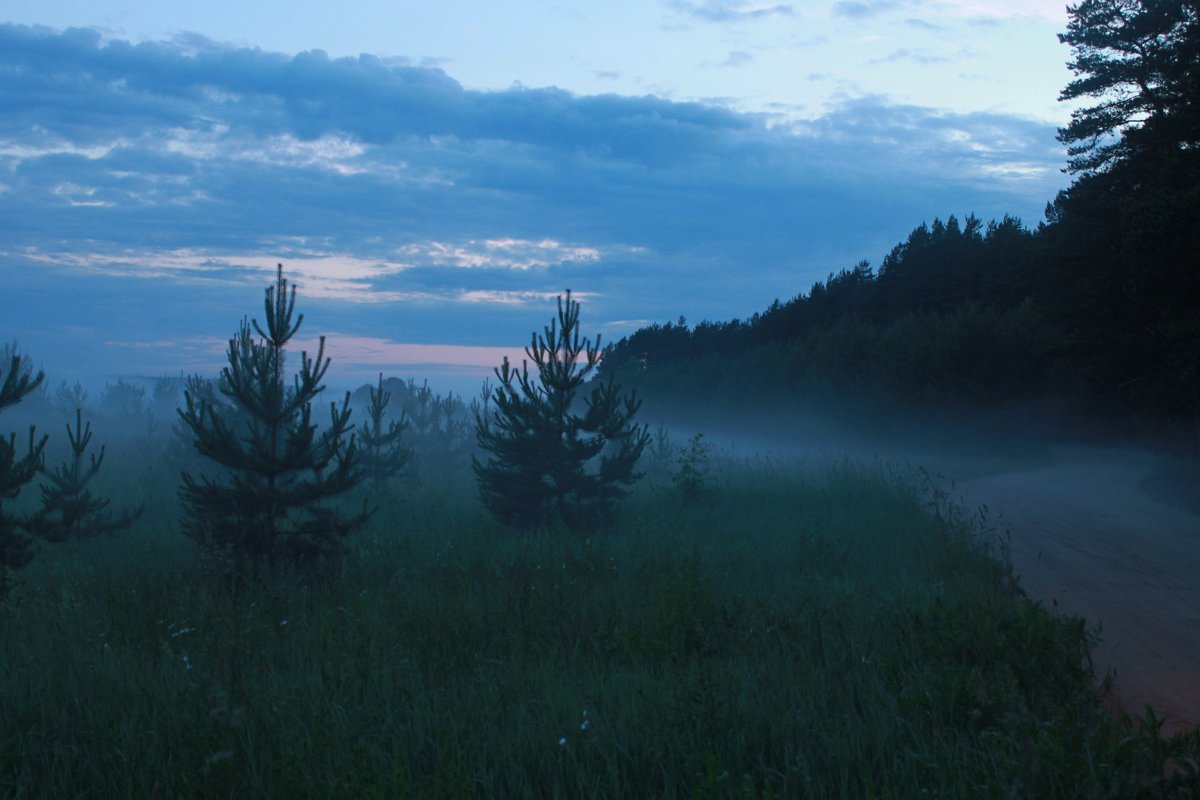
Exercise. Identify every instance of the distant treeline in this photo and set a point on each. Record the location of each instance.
(1097, 310)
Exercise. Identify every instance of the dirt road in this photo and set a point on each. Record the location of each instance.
(1087, 540)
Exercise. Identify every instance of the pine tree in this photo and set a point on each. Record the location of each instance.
(440, 431)
(270, 501)
(662, 451)
(68, 398)
(383, 451)
(1123, 284)
(1140, 59)
(69, 509)
(16, 470)
(692, 468)
(549, 459)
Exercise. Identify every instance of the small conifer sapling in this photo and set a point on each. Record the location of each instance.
(691, 475)
(18, 466)
(551, 457)
(271, 499)
(381, 445)
(69, 508)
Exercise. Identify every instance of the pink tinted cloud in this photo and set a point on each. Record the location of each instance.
(356, 353)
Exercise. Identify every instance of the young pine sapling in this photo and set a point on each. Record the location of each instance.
(270, 501)
(549, 458)
(69, 509)
(381, 445)
(18, 466)
(692, 468)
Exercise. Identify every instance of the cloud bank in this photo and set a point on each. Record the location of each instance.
(149, 189)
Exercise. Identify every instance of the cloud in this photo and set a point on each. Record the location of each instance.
(512, 298)
(977, 146)
(862, 9)
(985, 10)
(510, 253)
(730, 10)
(155, 186)
(929, 14)
(924, 25)
(737, 58)
(912, 56)
(329, 275)
(85, 91)
(372, 353)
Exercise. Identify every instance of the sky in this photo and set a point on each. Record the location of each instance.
(434, 173)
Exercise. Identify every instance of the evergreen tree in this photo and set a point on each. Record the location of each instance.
(1140, 59)
(1123, 282)
(440, 431)
(661, 452)
(383, 451)
(69, 509)
(550, 459)
(16, 469)
(691, 475)
(279, 471)
(67, 398)
(124, 401)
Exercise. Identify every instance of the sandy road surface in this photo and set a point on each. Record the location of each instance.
(1088, 541)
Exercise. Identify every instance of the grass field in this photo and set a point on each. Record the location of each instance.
(833, 631)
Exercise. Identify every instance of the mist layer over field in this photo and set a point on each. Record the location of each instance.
(829, 615)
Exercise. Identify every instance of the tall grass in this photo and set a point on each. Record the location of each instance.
(795, 633)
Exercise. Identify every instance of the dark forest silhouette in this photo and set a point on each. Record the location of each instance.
(1096, 310)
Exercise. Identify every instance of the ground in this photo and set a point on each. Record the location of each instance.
(1087, 539)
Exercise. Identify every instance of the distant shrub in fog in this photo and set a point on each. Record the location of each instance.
(68, 397)
(124, 401)
(692, 468)
(661, 452)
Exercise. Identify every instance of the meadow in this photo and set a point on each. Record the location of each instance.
(821, 630)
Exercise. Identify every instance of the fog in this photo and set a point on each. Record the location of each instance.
(1093, 527)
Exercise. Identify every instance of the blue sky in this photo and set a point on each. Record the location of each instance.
(432, 174)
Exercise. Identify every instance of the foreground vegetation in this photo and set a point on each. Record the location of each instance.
(786, 632)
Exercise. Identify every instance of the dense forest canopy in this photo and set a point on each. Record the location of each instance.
(1096, 310)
